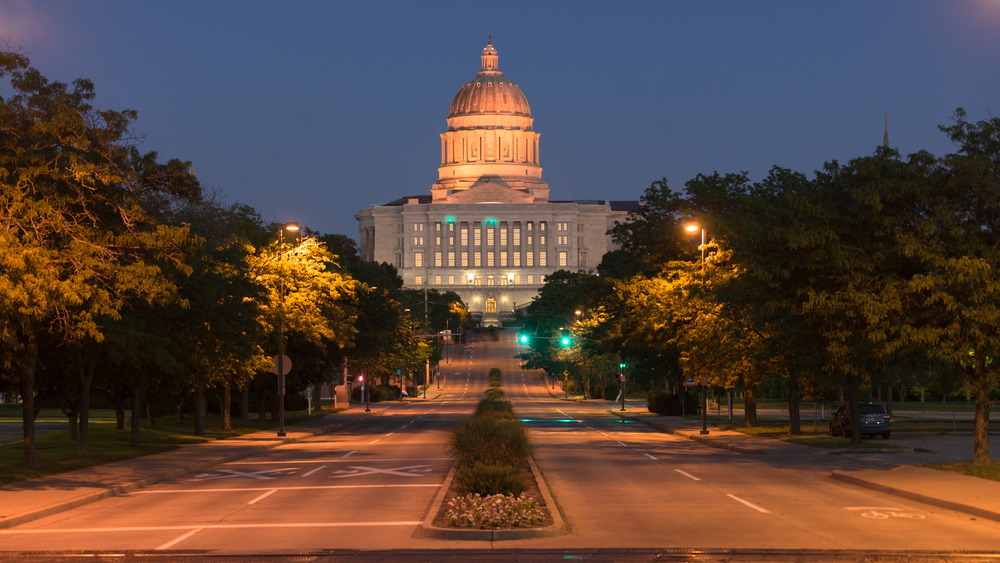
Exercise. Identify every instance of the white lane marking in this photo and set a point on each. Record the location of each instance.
(350, 453)
(175, 541)
(214, 527)
(650, 457)
(370, 443)
(403, 427)
(389, 434)
(314, 470)
(302, 488)
(262, 497)
(360, 470)
(750, 504)
(228, 473)
(686, 474)
(621, 443)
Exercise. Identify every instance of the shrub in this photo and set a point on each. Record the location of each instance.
(486, 479)
(376, 394)
(496, 377)
(496, 406)
(668, 404)
(498, 510)
(611, 391)
(490, 440)
(494, 393)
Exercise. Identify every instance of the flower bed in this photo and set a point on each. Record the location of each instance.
(494, 511)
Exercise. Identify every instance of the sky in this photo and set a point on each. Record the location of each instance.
(309, 111)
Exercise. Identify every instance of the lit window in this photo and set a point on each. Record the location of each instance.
(419, 280)
(503, 259)
(517, 259)
(531, 279)
(517, 237)
(503, 236)
(517, 279)
(465, 259)
(451, 280)
(562, 258)
(478, 259)
(489, 259)
(451, 259)
(529, 259)
(437, 259)
(541, 258)
(418, 259)
(437, 280)
(489, 237)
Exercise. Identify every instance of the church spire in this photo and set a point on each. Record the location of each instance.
(885, 137)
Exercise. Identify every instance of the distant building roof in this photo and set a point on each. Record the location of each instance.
(623, 205)
(406, 199)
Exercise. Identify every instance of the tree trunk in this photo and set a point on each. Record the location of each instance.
(136, 410)
(981, 434)
(150, 419)
(199, 411)
(86, 380)
(274, 405)
(261, 404)
(28, 401)
(318, 395)
(227, 402)
(749, 407)
(119, 414)
(794, 416)
(245, 404)
(74, 428)
(855, 416)
(180, 404)
(903, 392)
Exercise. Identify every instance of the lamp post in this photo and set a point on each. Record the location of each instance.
(693, 228)
(292, 228)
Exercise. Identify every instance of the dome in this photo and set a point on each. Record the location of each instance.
(489, 92)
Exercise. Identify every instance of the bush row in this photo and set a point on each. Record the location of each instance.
(496, 377)
(491, 446)
(669, 404)
(376, 394)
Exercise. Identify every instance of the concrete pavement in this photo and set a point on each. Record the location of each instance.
(30, 500)
(944, 489)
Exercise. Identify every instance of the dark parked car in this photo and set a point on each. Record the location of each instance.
(874, 420)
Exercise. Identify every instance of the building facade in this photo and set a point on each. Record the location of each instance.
(488, 230)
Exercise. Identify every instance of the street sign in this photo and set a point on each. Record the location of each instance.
(286, 365)
(691, 382)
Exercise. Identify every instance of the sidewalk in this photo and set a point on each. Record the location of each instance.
(29, 500)
(944, 489)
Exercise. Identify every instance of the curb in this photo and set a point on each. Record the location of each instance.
(695, 437)
(557, 528)
(909, 495)
(18, 519)
(896, 450)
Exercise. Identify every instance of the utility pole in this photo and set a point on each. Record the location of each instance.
(427, 362)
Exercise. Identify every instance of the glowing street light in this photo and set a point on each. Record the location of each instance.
(290, 227)
(693, 228)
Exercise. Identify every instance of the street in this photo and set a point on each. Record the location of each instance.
(618, 485)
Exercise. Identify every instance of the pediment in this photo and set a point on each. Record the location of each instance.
(489, 190)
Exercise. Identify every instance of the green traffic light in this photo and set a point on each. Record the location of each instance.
(622, 365)
(565, 341)
(524, 339)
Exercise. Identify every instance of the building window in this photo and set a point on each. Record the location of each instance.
(399, 260)
(437, 259)
(517, 236)
(418, 280)
(529, 240)
(503, 259)
(418, 227)
(531, 226)
(489, 237)
(451, 227)
(503, 236)
(531, 279)
(479, 259)
(490, 280)
(491, 305)
(465, 235)
(465, 259)
(541, 240)
(478, 280)
(489, 258)
(470, 279)
(418, 241)
(451, 259)
(529, 259)
(451, 241)
(517, 259)
(517, 279)
(579, 227)
(437, 280)
(583, 260)
(437, 241)
(437, 226)
(562, 257)
(478, 238)
(418, 259)
(541, 258)
(541, 280)
(451, 280)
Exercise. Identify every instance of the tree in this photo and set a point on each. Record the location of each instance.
(74, 236)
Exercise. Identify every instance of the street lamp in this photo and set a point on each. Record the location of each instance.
(292, 228)
(693, 228)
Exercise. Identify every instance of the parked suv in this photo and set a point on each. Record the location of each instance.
(874, 420)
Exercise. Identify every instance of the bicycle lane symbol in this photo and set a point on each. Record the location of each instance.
(883, 513)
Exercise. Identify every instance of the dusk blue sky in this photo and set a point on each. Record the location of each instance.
(310, 111)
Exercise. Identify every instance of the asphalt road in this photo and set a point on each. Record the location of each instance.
(619, 485)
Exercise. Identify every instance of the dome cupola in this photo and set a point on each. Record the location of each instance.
(489, 134)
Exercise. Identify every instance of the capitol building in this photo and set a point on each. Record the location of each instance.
(488, 229)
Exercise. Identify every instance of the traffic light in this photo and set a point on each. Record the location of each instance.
(622, 365)
(522, 338)
(565, 339)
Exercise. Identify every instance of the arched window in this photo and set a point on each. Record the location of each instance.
(491, 305)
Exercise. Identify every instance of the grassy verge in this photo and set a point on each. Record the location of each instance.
(989, 470)
(779, 430)
(56, 453)
(12, 412)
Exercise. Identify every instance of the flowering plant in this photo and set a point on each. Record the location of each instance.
(495, 511)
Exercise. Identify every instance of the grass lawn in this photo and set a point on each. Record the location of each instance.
(989, 470)
(778, 430)
(12, 412)
(56, 453)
